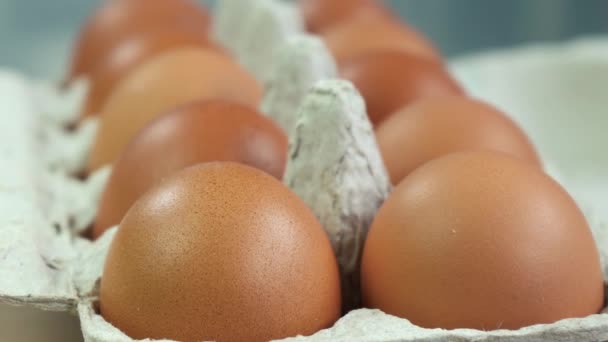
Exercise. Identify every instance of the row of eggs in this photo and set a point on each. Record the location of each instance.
(467, 239)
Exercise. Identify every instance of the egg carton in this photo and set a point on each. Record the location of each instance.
(334, 166)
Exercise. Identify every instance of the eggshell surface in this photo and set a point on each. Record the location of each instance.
(116, 19)
(390, 80)
(320, 15)
(196, 133)
(433, 127)
(220, 252)
(165, 82)
(368, 32)
(481, 240)
(130, 53)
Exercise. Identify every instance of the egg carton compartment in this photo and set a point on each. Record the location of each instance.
(44, 261)
(43, 204)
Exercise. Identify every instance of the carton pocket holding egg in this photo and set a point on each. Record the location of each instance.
(334, 166)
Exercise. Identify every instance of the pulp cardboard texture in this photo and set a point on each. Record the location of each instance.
(253, 30)
(299, 63)
(42, 206)
(334, 165)
(350, 179)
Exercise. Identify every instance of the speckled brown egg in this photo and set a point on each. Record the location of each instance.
(433, 127)
(116, 19)
(220, 252)
(481, 240)
(368, 32)
(131, 52)
(196, 133)
(320, 15)
(169, 80)
(390, 80)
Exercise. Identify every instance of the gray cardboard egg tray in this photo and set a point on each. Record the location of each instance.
(43, 208)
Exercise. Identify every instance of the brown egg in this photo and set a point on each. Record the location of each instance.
(171, 79)
(117, 19)
(433, 127)
(130, 53)
(196, 133)
(481, 240)
(222, 252)
(366, 33)
(320, 15)
(390, 80)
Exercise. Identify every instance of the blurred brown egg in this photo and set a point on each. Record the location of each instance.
(117, 19)
(130, 53)
(433, 127)
(196, 133)
(320, 15)
(390, 80)
(220, 252)
(366, 33)
(169, 80)
(481, 240)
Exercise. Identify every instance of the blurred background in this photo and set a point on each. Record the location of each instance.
(36, 36)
